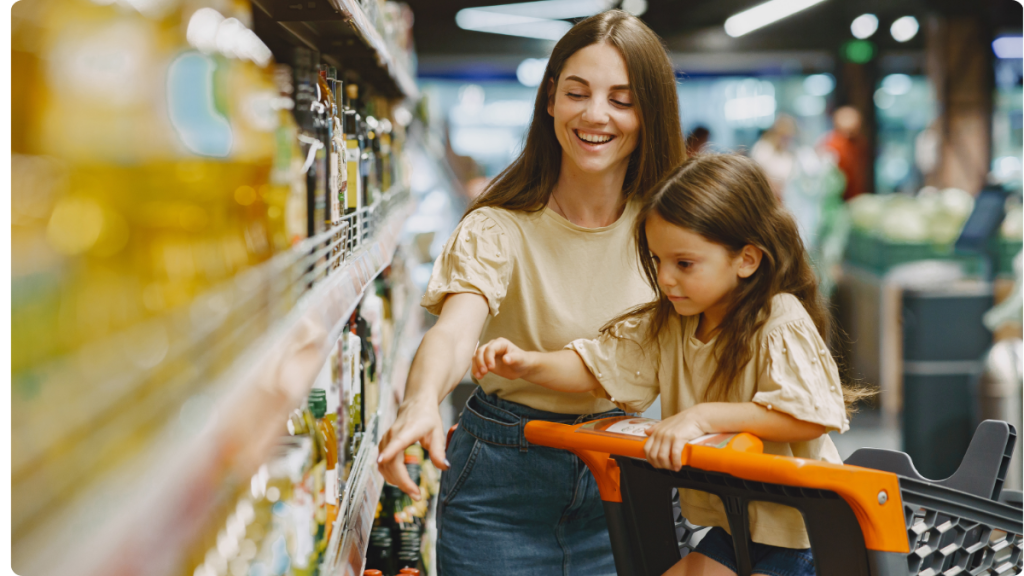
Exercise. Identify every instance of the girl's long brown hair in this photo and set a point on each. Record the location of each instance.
(527, 183)
(726, 199)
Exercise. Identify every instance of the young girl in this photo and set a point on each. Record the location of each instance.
(734, 342)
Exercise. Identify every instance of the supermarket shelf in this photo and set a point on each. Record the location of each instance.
(346, 553)
(342, 32)
(141, 517)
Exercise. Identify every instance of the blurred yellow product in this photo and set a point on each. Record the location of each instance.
(154, 172)
(287, 210)
(141, 179)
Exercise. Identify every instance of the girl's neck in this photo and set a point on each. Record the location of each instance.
(588, 199)
(707, 326)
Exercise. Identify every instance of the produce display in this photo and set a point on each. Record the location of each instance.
(891, 229)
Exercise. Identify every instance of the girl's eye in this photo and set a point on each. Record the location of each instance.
(684, 264)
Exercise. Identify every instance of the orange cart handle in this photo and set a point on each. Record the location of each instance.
(873, 495)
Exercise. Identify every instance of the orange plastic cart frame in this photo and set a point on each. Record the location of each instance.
(873, 495)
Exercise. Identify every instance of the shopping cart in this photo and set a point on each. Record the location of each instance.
(873, 516)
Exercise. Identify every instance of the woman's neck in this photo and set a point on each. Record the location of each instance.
(588, 199)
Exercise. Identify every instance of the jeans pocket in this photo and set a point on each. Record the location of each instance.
(462, 455)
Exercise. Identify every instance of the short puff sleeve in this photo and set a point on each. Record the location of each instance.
(626, 368)
(477, 259)
(801, 378)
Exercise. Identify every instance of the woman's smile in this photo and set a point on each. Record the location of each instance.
(593, 139)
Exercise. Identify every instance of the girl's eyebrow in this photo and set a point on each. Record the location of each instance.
(585, 83)
(683, 254)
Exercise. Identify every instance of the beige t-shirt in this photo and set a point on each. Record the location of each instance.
(547, 282)
(792, 371)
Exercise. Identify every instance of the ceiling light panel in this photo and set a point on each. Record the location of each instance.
(765, 14)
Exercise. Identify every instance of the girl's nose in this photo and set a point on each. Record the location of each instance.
(664, 277)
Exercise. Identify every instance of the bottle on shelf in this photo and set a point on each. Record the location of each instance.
(327, 115)
(307, 108)
(380, 548)
(339, 140)
(353, 150)
(287, 177)
(353, 398)
(327, 440)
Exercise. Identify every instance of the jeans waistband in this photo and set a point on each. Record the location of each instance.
(501, 422)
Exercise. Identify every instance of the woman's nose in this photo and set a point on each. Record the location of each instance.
(596, 111)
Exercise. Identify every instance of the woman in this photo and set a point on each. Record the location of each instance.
(543, 257)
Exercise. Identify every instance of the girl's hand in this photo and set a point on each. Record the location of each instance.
(502, 358)
(664, 448)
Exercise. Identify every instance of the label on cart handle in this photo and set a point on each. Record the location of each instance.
(633, 428)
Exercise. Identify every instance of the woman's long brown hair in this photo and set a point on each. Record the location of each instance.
(527, 183)
(726, 199)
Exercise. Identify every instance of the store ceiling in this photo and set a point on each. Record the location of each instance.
(692, 27)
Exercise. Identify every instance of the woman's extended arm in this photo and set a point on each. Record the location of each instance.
(563, 370)
(441, 361)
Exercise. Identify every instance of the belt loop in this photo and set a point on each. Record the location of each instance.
(523, 444)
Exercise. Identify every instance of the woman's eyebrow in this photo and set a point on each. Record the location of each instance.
(585, 83)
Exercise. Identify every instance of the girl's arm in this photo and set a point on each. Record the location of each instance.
(439, 365)
(563, 370)
(664, 448)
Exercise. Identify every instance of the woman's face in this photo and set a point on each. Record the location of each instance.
(593, 109)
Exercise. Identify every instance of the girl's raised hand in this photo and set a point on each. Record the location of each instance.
(664, 448)
(502, 358)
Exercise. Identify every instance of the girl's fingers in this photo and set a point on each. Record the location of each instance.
(677, 454)
(513, 359)
(489, 355)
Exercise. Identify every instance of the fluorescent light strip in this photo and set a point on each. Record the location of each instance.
(765, 14)
(547, 9)
(542, 20)
(1006, 47)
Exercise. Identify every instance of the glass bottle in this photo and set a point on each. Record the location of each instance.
(354, 193)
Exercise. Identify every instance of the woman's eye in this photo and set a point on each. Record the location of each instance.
(622, 104)
(574, 96)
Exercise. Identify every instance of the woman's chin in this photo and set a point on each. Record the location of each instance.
(597, 165)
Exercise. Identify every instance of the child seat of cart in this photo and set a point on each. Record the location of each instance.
(874, 515)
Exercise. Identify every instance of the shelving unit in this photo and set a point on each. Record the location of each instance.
(342, 32)
(128, 446)
(139, 518)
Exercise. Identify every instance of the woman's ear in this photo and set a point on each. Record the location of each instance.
(749, 260)
(551, 97)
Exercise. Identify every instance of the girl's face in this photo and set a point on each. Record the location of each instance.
(593, 110)
(695, 274)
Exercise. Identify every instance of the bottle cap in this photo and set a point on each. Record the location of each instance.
(409, 571)
(318, 402)
(372, 573)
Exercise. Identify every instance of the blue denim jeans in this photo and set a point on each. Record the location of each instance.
(769, 560)
(509, 508)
